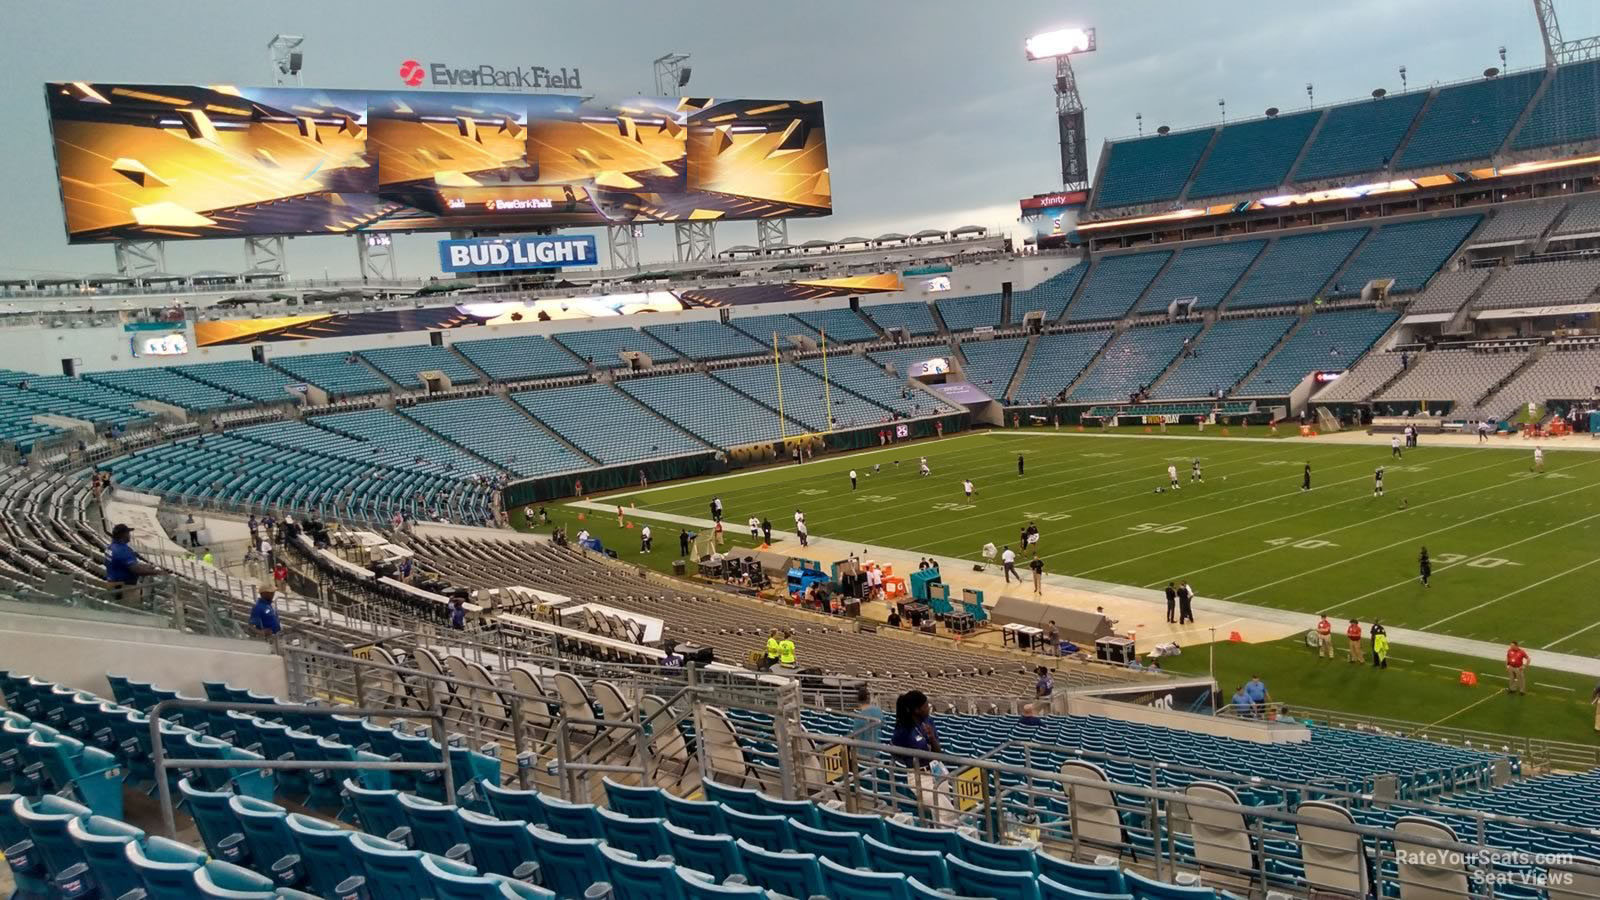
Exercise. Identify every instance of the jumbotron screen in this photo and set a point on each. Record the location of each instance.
(147, 162)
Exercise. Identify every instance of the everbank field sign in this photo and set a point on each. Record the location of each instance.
(517, 78)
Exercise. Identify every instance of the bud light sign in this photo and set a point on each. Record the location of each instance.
(533, 252)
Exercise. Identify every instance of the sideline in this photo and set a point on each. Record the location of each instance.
(1217, 609)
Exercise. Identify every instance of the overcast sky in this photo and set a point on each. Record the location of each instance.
(934, 118)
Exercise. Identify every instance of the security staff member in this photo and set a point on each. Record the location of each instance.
(773, 651)
(786, 648)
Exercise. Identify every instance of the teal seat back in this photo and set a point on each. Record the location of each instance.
(636, 879)
(981, 881)
(644, 838)
(790, 874)
(499, 846)
(101, 843)
(566, 865)
(434, 826)
(326, 854)
(927, 866)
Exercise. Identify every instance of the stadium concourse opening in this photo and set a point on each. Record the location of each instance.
(1226, 537)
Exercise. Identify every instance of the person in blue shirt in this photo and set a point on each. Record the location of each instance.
(458, 613)
(263, 618)
(1242, 705)
(123, 565)
(1030, 715)
(913, 727)
(868, 714)
(1256, 690)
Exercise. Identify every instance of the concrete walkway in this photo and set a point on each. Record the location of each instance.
(1141, 611)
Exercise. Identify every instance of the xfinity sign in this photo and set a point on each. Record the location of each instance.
(534, 252)
(529, 78)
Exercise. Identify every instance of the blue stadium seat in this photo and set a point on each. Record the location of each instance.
(1050, 889)
(865, 824)
(800, 810)
(843, 847)
(632, 878)
(393, 871)
(1360, 137)
(165, 867)
(1408, 252)
(224, 880)
(696, 888)
(605, 424)
(327, 857)
(1253, 156)
(517, 358)
(914, 837)
(448, 883)
(1115, 283)
(1146, 170)
(568, 866)
(706, 339)
(1204, 273)
(247, 779)
(698, 816)
(860, 884)
(1469, 121)
(214, 819)
(1058, 359)
(996, 856)
(927, 866)
(642, 837)
(510, 803)
(791, 874)
(716, 855)
(1081, 876)
(380, 812)
(1145, 888)
(982, 881)
(572, 820)
(46, 822)
(639, 802)
(500, 846)
(90, 774)
(273, 848)
(1569, 110)
(771, 832)
(1295, 268)
(102, 842)
(434, 827)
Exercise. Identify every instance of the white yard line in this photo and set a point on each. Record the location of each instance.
(1526, 587)
(1562, 640)
(1295, 515)
(1465, 708)
(1410, 539)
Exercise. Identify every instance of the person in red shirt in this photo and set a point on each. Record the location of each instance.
(1324, 637)
(280, 575)
(1516, 669)
(1354, 634)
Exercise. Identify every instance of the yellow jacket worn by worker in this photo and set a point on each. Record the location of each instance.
(772, 650)
(1380, 645)
(786, 652)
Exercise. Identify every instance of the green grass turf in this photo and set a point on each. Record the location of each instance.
(1420, 685)
(1513, 553)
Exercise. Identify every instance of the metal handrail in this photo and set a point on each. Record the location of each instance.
(161, 763)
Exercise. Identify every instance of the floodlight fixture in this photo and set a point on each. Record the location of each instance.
(1061, 42)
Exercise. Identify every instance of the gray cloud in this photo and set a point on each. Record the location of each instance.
(933, 114)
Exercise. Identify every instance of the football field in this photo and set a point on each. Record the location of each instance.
(1516, 554)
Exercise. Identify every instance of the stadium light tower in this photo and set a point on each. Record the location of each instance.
(1061, 45)
(284, 53)
(672, 73)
